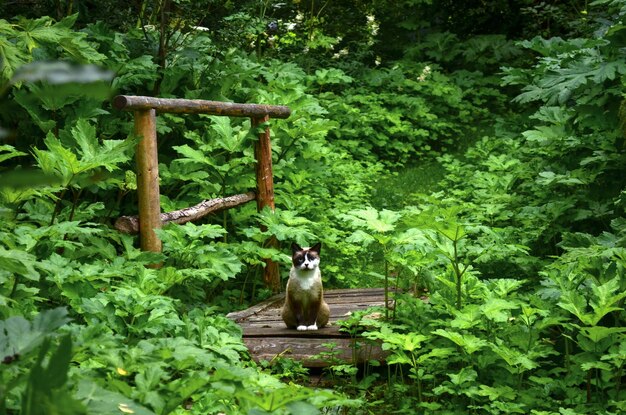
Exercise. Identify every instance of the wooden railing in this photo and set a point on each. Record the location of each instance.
(150, 216)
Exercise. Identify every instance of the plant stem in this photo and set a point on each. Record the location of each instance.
(457, 271)
(15, 283)
(618, 381)
(589, 386)
(57, 206)
(419, 380)
(75, 202)
(386, 289)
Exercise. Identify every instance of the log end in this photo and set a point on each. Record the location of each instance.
(120, 102)
(127, 224)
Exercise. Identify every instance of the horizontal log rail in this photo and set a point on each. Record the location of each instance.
(199, 106)
(130, 224)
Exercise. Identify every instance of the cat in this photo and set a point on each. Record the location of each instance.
(305, 308)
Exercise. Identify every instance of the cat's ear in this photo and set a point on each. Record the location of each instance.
(295, 247)
(317, 247)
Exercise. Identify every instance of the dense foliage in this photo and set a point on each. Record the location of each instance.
(469, 153)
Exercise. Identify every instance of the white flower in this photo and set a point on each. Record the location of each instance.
(425, 72)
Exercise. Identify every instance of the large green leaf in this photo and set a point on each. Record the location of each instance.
(19, 262)
(61, 161)
(100, 401)
(497, 309)
(517, 360)
(18, 336)
(372, 220)
(8, 152)
(606, 298)
(467, 342)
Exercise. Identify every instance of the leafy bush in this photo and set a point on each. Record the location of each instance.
(511, 266)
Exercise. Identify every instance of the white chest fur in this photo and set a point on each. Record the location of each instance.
(306, 278)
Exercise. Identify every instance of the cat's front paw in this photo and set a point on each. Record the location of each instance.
(312, 327)
(301, 328)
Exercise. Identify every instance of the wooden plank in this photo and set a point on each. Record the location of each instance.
(256, 309)
(354, 291)
(331, 331)
(283, 331)
(198, 106)
(307, 350)
(338, 311)
(360, 297)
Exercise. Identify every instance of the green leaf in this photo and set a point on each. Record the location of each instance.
(497, 393)
(468, 317)
(603, 302)
(399, 358)
(606, 298)
(46, 390)
(361, 237)
(496, 309)
(62, 162)
(193, 155)
(287, 225)
(221, 263)
(439, 353)
(35, 110)
(372, 220)
(11, 55)
(577, 305)
(464, 376)
(19, 262)
(18, 336)
(9, 152)
(100, 401)
(228, 137)
(468, 342)
(598, 333)
(596, 365)
(517, 360)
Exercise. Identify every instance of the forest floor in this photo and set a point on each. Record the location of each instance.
(395, 191)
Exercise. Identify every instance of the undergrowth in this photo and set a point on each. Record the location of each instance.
(481, 177)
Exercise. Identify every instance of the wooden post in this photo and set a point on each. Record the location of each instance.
(148, 180)
(265, 194)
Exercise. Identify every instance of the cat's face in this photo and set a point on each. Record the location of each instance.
(306, 258)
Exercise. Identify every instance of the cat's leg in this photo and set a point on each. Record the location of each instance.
(302, 328)
(323, 315)
(311, 315)
(289, 316)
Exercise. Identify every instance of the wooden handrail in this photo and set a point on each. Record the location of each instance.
(130, 224)
(148, 194)
(199, 106)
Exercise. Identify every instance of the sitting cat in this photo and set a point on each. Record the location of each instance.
(305, 308)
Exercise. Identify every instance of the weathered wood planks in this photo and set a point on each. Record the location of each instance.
(266, 336)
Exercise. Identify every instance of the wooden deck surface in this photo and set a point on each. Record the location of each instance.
(266, 336)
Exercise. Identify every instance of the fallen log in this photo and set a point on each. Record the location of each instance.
(130, 224)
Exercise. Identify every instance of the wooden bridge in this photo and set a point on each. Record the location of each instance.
(267, 337)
